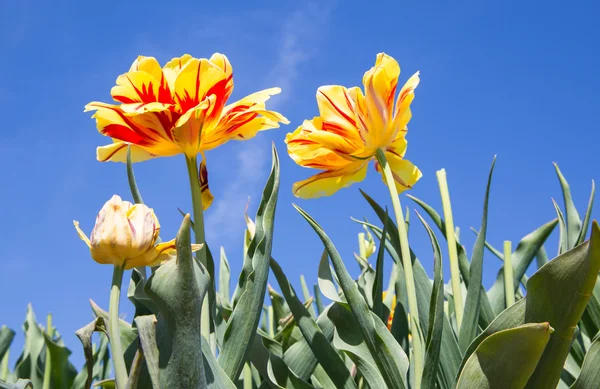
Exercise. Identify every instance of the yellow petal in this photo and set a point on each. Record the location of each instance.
(403, 114)
(151, 130)
(337, 111)
(380, 84)
(309, 153)
(405, 173)
(173, 67)
(143, 229)
(329, 182)
(188, 130)
(81, 234)
(243, 120)
(223, 63)
(117, 152)
(147, 64)
(136, 87)
(196, 80)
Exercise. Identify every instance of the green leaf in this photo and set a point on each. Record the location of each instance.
(590, 374)
(318, 343)
(307, 296)
(6, 337)
(468, 328)
(279, 306)
(20, 384)
(450, 355)
(136, 294)
(487, 313)
(383, 350)
(224, 278)
(178, 288)
(436, 315)
(62, 371)
(562, 289)
(526, 250)
(216, 378)
(147, 331)
(573, 221)
(299, 357)
(244, 320)
(28, 366)
(349, 339)
(506, 359)
(562, 223)
(128, 333)
(378, 283)
(511, 317)
(318, 301)
(325, 280)
(587, 217)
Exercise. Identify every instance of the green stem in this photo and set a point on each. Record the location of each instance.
(452, 252)
(114, 331)
(192, 166)
(48, 367)
(418, 347)
(509, 285)
(4, 366)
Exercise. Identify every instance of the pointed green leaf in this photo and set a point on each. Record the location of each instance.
(382, 352)
(506, 359)
(573, 221)
(562, 289)
(468, 328)
(244, 320)
(436, 315)
(325, 354)
(587, 217)
(178, 288)
(27, 366)
(590, 374)
(526, 250)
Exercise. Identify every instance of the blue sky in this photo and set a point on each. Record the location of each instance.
(506, 78)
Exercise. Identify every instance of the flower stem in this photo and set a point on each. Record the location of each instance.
(452, 252)
(4, 366)
(48, 367)
(418, 347)
(509, 285)
(114, 331)
(192, 166)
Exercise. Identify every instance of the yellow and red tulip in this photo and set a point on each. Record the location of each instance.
(178, 109)
(350, 129)
(126, 234)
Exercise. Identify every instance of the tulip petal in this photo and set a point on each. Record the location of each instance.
(196, 80)
(403, 113)
(337, 109)
(117, 152)
(143, 229)
(380, 84)
(81, 234)
(329, 182)
(136, 87)
(150, 130)
(221, 61)
(243, 120)
(309, 153)
(405, 173)
(188, 130)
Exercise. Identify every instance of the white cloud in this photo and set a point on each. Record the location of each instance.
(298, 44)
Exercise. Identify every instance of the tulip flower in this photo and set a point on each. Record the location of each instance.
(125, 235)
(179, 108)
(392, 310)
(350, 130)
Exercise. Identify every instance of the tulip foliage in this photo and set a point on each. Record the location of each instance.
(391, 326)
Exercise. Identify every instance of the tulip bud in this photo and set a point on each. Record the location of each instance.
(126, 234)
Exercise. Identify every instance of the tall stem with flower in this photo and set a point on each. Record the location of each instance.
(354, 128)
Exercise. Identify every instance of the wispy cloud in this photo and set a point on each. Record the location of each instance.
(298, 44)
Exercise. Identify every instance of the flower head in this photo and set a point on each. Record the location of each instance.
(390, 319)
(127, 234)
(351, 128)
